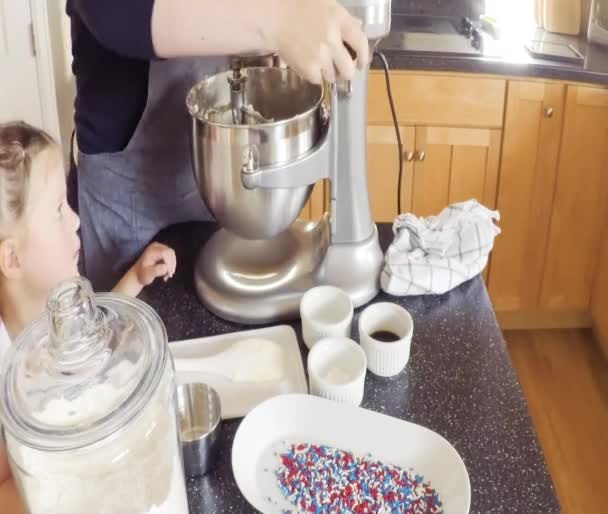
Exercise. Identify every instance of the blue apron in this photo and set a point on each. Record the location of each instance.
(125, 198)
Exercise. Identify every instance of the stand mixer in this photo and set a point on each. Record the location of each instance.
(261, 138)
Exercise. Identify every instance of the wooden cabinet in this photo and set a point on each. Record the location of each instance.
(383, 170)
(437, 99)
(317, 204)
(450, 128)
(580, 203)
(553, 196)
(528, 169)
(535, 150)
(441, 165)
(599, 300)
(453, 164)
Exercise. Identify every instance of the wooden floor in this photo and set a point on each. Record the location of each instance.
(565, 380)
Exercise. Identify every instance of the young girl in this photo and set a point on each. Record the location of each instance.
(39, 246)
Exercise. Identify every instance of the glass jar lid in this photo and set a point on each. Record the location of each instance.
(83, 371)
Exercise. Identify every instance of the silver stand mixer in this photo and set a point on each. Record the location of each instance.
(261, 138)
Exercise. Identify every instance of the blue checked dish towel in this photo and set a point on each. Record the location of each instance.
(436, 254)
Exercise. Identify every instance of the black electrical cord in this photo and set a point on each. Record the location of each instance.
(380, 55)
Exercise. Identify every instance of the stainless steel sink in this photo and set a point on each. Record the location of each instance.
(450, 36)
(425, 24)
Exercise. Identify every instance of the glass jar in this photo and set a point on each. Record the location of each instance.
(87, 400)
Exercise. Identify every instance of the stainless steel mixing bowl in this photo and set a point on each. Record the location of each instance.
(293, 121)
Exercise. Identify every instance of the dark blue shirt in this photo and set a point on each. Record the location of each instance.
(111, 48)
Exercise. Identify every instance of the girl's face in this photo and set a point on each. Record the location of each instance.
(49, 246)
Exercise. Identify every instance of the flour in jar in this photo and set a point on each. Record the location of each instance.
(138, 472)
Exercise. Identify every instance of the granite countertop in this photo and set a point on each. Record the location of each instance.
(503, 56)
(459, 382)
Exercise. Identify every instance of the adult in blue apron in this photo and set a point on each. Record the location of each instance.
(126, 197)
(128, 191)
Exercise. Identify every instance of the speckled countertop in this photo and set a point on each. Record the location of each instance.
(459, 382)
(505, 56)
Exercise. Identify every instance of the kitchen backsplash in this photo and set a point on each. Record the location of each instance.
(470, 8)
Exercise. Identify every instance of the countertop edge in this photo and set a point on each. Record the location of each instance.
(408, 61)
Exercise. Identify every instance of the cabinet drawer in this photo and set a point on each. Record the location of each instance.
(437, 100)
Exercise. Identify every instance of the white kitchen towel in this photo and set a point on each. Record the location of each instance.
(436, 254)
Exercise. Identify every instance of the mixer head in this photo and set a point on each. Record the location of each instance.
(375, 15)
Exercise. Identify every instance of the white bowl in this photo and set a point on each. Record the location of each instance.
(289, 419)
(326, 311)
(336, 370)
(386, 359)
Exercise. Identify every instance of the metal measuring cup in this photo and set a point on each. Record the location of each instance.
(199, 417)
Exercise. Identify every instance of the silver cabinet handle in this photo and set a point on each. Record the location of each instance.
(409, 156)
(548, 112)
(420, 155)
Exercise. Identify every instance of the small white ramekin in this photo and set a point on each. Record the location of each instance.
(336, 370)
(326, 311)
(386, 359)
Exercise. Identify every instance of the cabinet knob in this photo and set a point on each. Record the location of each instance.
(420, 155)
(409, 156)
(548, 112)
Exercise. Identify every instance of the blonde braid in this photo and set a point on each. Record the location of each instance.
(20, 143)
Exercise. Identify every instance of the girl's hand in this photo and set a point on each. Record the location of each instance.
(157, 260)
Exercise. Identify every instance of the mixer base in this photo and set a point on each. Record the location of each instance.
(259, 282)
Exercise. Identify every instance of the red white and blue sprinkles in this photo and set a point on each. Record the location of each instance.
(326, 480)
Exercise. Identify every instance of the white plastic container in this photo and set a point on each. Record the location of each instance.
(597, 31)
(563, 16)
(87, 400)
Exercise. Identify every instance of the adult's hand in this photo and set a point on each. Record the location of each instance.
(310, 35)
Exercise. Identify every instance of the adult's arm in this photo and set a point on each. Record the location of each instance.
(307, 34)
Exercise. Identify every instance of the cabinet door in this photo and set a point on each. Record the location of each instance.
(452, 165)
(317, 203)
(382, 176)
(525, 193)
(383, 171)
(580, 203)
